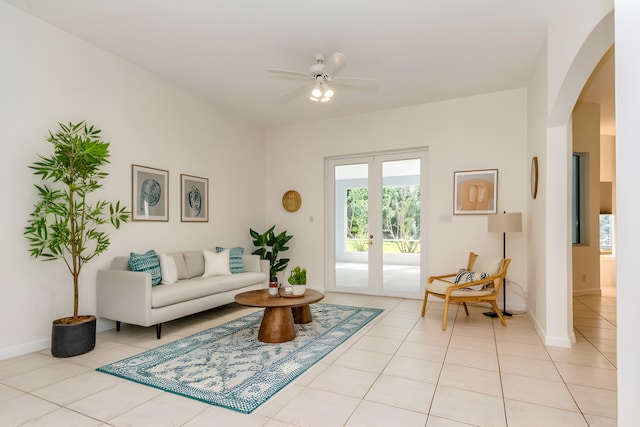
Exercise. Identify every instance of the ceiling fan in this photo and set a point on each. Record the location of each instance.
(323, 73)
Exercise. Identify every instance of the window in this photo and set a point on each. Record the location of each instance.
(575, 199)
(606, 233)
(580, 198)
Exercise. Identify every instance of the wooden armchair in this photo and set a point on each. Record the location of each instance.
(446, 288)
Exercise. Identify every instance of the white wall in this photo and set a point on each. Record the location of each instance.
(586, 255)
(48, 76)
(627, 34)
(576, 41)
(480, 132)
(536, 208)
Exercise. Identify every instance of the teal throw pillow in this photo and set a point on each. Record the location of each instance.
(148, 262)
(235, 259)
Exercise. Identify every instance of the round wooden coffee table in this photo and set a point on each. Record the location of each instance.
(280, 313)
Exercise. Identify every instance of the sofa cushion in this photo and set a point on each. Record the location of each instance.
(194, 262)
(199, 287)
(216, 264)
(178, 258)
(168, 269)
(147, 262)
(235, 259)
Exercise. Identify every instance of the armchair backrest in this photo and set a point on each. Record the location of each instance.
(472, 260)
(502, 273)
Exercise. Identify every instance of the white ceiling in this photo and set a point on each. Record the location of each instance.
(419, 51)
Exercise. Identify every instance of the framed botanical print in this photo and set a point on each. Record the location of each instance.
(194, 202)
(149, 193)
(475, 192)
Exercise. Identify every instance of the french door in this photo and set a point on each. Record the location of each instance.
(375, 209)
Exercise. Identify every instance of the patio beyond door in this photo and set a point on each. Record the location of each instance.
(375, 216)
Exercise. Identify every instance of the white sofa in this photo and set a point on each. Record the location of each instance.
(127, 296)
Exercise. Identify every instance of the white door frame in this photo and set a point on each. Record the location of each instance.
(375, 255)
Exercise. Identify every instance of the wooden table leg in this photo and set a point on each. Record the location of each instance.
(301, 314)
(277, 325)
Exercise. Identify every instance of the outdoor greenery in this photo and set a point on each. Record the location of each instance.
(400, 217)
(64, 224)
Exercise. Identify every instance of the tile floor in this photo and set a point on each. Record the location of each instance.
(401, 370)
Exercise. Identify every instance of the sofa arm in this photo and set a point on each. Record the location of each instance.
(124, 296)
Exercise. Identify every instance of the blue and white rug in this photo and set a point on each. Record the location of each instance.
(227, 366)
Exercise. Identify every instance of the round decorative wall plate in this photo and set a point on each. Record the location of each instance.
(534, 177)
(291, 200)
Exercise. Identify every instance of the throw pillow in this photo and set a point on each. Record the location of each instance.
(194, 263)
(216, 264)
(465, 276)
(235, 259)
(147, 262)
(169, 269)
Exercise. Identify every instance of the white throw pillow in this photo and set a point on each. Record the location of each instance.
(169, 269)
(216, 264)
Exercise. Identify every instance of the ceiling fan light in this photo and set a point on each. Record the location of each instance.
(317, 90)
(313, 98)
(328, 92)
(325, 99)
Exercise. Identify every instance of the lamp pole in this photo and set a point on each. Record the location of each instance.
(511, 222)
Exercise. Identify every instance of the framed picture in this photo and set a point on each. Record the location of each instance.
(149, 193)
(475, 192)
(194, 202)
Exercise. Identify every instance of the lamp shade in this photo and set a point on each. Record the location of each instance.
(505, 222)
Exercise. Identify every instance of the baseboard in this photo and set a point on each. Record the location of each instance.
(566, 342)
(26, 348)
(39, 345)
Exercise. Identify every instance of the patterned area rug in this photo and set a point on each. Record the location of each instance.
(227, 366)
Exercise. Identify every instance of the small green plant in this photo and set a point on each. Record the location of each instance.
(298, 276)
(64, 225)
(269, 246)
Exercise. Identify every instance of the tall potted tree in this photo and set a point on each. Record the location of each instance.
(65, 224)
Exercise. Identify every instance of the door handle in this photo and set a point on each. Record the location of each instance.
(370, 239)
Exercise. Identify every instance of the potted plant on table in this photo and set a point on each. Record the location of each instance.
(270, 245)
(64, 224)
(298, 280)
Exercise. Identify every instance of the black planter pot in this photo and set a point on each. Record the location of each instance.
(73, 339)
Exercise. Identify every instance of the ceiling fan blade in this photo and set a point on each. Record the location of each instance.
(287, 72)
(360, 82)
(293, 93)
(334, 63)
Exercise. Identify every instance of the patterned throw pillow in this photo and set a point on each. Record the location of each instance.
(235, 259)
(465, 276)
(147, 262)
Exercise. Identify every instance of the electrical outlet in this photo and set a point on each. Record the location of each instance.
(584, 277)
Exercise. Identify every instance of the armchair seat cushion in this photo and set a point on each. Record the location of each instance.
(440, 287)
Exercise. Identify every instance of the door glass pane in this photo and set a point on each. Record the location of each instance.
(351, 225)
(401, 225)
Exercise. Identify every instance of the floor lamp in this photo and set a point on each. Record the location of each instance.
(504, 223)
